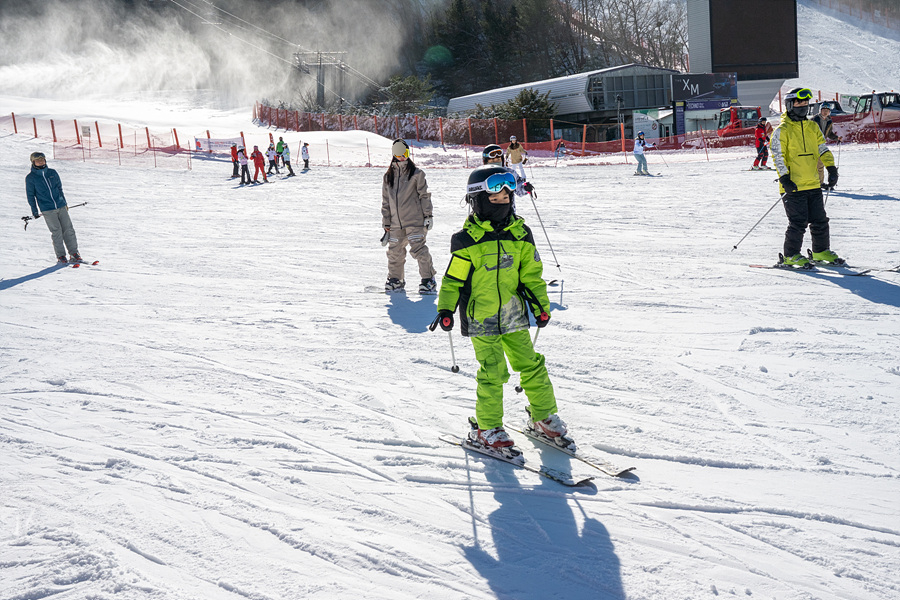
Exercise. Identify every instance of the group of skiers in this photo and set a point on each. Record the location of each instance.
(494, 276)
(275, 153)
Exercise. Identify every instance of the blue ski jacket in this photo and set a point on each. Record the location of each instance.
(44, 190)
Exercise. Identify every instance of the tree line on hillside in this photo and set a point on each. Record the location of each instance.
(468, 46)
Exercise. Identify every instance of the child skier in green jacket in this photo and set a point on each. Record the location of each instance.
(494, 277)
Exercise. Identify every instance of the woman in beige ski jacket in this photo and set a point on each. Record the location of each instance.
(406, 215)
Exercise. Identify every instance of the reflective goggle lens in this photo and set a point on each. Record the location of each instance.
(494, 153)
(498, 181)
(804, 94)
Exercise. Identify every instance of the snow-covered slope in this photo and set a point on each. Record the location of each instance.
(838, 57)
(220, 410)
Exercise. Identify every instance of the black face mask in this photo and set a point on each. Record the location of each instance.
(43, 166)
(497, 214)
(798, 113)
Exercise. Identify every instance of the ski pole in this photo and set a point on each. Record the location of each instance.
(455, 367)
(432, 327)
(533, 342)
(26, 219)
(533, 195)
(758, 222)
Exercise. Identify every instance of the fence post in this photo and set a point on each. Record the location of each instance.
(369, 154)
(323, 122)
(525, 130)
(77, 133)
(780, 110)
(496, 133)
(34, 121)
(622, 137)
(583, 138)
(417, 128)
(208, 141)
(99, 141)
(441, 126)
(340, 122)
(551, 131)
(15, 128)
(356, 125)
(469, 125)
(53, 130)
(121, 141)
(177, 144)
(327, 154)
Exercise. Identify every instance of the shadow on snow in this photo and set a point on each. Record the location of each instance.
(8, 283)
(540, 550)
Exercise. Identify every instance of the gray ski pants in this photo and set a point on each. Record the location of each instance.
(61, 230)
(396, 252)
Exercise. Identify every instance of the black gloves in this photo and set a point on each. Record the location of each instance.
(445, 319)
(542, 319)
(832, 176)
(789, 186)
(528, 187)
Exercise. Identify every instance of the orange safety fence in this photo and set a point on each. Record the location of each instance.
(104, 142)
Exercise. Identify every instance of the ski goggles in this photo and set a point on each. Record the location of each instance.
(497, 153)
(494, 183)
(804, 94)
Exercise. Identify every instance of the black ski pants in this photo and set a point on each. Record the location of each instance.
(805, 208)
(245, 171)
(236, 167)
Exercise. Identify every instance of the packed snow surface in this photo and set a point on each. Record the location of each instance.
(220, 409)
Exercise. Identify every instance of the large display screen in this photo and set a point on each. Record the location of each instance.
(757, 39)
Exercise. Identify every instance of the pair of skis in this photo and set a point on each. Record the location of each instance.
(557, 475)
(813, 266)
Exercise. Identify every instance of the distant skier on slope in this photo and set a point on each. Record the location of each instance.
(797, 145)
(43, 188)
(495, 278)
(259, 161)
(493, 155)
(516, 157)
(272, 155)
(245, 170)
(823, 120)
(406, 215)
(762, 145)
(640, 144)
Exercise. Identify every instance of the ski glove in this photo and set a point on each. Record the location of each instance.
(445, 318)
(385, 238)
(789, 186)
(429, 223)
(528, 187)
(542, 319)
(832, 176)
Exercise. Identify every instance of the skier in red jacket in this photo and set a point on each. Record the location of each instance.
(259, 161)
(234, 161)
(762, 145)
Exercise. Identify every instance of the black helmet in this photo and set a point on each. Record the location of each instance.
(491, 151)
(487, 180)
(36, 155)
(795, 94)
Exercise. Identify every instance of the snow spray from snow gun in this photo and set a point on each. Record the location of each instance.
(760, 221)
(27, 219)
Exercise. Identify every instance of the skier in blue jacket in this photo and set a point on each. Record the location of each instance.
(45, 196)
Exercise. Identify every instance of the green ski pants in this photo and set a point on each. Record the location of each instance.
(492, 352)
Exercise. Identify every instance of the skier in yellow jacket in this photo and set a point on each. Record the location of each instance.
(797, 146)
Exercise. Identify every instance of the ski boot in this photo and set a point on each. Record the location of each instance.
(496, 441)
(62, 260)
(75, 258)
(796, 261)
(552, 429)
(826, 257)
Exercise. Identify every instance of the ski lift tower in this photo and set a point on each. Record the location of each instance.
(308, 60)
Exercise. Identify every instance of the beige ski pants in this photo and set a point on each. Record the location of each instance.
(396, 252)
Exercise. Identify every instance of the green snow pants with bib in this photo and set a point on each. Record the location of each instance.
(492, 352)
